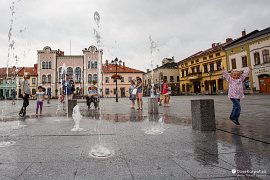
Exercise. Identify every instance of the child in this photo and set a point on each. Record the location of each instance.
(236, 92)
(40, 98)
(25, 93)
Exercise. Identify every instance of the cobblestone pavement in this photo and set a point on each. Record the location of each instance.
(45, 148)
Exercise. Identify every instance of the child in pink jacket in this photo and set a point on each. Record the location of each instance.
(236, 91)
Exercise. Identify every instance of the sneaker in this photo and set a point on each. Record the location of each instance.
(235, 121)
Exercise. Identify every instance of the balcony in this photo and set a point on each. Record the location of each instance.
(195, 75)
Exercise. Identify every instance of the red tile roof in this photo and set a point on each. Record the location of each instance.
(31, 70)
(111, 68)
(11, 71)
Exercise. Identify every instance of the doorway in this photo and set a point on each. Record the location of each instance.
(264, 81)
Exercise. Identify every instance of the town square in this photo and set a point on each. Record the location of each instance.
(134, 90)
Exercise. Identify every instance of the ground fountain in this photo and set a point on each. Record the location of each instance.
(76, 115)
(99, 150)
(155, 127)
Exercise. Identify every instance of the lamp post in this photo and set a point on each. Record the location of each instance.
(116, 63)
(210, 74)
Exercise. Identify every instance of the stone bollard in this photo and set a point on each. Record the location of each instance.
(71, 104)
(152, 106)
(203, 115)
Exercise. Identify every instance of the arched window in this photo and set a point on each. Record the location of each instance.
(257, 58)
(43, 65)
(95, 77)
(266, 57)
(43, 79)
(89, 64)
(89, 78)
(50, 65)
(77, 74)
(49, 78)
(96, 64)
(60, 76)
(46, 65)
(70, 73)
(93, 64)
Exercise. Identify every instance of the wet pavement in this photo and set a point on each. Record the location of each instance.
(46, 148)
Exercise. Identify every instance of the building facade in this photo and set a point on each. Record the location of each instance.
(82, 69)
(168, 70)
(201, 73)
(8, 83)
(252, 50)
(126, 73)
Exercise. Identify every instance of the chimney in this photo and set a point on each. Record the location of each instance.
(213, 45)
(35, 67)
(228, 40)
(124, 64)
(243, 33)
(157, 66)
(147, 70)
(106, 62)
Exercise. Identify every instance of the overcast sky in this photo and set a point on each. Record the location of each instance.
(180, 28)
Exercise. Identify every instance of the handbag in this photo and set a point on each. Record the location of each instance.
(134, 92)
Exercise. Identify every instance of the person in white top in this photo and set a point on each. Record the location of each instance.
(40, 98)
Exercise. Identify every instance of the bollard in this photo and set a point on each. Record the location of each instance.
(152, 106)
(203, 115)
(71, 104)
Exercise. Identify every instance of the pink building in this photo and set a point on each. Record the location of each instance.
(82, 69)
(127, 74)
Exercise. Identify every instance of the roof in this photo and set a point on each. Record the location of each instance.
(111, 68)
(171, 65)
(11, 71)
(250, 36)
(31, 70)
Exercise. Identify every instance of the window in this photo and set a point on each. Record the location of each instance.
(95, 77)
(192, 70)
(205, 68)
(49, 78)
(90, 78)
(233, 61)
(177, 78)
(244, 61)
(93, 64)
(186, 64)
(186, 72)
(43, 65)
(210, 56)
(165, 78)
(217, 54)
(96, 64)
(46, 65)
(183, 73)
(197, 60)
(171, 79)
(204, 58)
(107, 91)
(78, 74)
(129, 79)
(70, 73)
(60, 76)
(43, 78)
(266, 57)
(257, 58)
(33, 80)
(89, 65)
(192, 62)
(198, 69)
(50, 65)
(122, 79)
(220, 84)
(106, 79)
(212, 67)
(219, 65)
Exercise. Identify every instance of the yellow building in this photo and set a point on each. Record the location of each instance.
(201, 73)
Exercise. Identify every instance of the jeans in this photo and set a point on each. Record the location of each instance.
(236, 109)
(39, 105)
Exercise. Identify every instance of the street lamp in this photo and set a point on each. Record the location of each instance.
(116, 63)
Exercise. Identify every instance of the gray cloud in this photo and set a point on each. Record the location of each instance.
(180, 28)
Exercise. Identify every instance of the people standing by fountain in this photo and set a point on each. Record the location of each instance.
(67, 89)
(132, 93)
(165, 92)
(25, 93)
(40, 98)
(92, 97)
(139, 86)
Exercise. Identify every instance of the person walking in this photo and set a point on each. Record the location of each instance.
(49, 94)
(40, 98)
(132, 93)
(139, 86)
(236, 92)
(25, 93)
